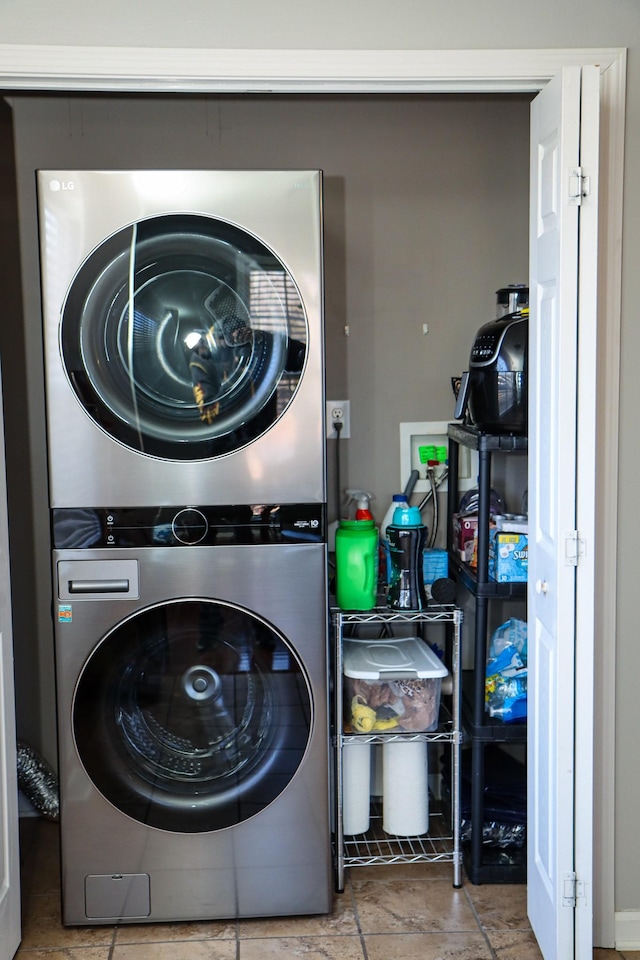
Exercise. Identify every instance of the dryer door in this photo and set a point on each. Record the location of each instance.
(183, 336)
(192, 715)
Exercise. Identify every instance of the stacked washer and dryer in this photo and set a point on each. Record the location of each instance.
(183, 322)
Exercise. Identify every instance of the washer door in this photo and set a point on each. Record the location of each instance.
(183, 336)
(192, 715)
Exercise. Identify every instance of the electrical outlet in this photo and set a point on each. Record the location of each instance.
(338, 412)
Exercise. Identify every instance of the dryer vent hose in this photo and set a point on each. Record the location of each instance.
(38, 782)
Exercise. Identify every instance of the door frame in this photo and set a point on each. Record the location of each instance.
(30, 67)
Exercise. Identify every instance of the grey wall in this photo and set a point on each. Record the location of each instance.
(428, 24)
(359, 24)
(17, 436)
(426, 206)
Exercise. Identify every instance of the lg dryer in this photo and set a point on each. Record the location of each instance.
(183, 336)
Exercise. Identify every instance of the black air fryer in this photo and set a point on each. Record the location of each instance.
(495, 391)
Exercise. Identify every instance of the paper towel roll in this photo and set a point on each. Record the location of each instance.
(356, 775)
(405, 794)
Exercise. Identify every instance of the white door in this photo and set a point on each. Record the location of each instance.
(563, 240)
(9, 866)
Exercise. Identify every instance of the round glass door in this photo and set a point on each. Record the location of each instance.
(183, 337)
(192, 715)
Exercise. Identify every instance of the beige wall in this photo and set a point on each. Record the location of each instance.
(429, 24)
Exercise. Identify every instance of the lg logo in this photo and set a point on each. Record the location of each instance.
(56, 185)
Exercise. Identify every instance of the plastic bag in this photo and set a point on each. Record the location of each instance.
(501, 835)
(511, 633)
(506, 673)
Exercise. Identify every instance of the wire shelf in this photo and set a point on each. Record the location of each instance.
(442, 842)
(377, 847)
(434, 613)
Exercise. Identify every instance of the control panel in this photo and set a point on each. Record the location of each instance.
(80, 528)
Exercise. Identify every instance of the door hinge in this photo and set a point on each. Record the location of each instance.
(572, 890)
(574, 548)
(579, 186)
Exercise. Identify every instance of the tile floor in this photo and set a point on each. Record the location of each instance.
(410, 912)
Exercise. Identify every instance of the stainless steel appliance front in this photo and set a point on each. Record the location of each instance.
(193, 739)
(183, 320)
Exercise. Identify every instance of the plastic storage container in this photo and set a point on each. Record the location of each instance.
(392, 685)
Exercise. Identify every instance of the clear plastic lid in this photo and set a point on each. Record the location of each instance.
(394, 659)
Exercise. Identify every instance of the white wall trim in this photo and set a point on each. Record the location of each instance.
(613, 86)
(627, 930)
(128, 69)
(144, 69)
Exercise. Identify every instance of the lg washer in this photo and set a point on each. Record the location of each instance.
(192, 713)
(183, 324)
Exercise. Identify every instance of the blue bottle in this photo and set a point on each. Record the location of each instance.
(407, 538)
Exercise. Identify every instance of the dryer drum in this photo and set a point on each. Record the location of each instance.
(192, 715)
(183, 336)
